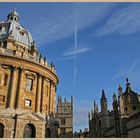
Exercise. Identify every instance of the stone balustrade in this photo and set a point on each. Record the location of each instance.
(39, 59)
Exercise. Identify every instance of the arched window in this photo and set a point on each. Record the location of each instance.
(63, 121)
(29, 131)
(1, 130)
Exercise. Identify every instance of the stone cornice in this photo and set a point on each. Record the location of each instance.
(31, 62)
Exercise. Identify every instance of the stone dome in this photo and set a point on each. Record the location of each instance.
(12, 28)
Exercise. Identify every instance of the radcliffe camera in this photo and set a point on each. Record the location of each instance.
(69, 70)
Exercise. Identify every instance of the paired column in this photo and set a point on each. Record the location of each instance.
(51, 97)
(38, 93)
(50, 92)
(20, 87)
(42, 95)
(12, 87)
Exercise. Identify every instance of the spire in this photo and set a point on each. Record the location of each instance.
(120, 90)
(89, 116)
(92, 113)
(65, 99)
(71, 99)
(103, 95)
(60, 98)
(128, 88)
(94, 104)
(95, 107)
(13, 16)
(114, 97)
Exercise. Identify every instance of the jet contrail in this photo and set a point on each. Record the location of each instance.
(75, 47)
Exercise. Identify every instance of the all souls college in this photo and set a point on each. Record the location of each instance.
(28, 85)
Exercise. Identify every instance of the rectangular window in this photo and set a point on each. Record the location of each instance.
(2, 98)
(5, 79)
(29, 84)
(28, 103)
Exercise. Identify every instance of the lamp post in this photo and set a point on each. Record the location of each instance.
(15, 124)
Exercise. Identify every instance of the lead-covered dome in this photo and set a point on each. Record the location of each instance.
(12, 28)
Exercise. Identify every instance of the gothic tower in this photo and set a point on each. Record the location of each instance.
(65, 117)
(116, 116)
(104, 111)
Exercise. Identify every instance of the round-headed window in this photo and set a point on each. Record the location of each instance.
(29, 131)
(1, 130)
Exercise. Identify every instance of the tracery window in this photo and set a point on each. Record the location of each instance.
(63, 121)
(62, 130)
(65, 109)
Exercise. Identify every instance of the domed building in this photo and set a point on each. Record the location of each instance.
(28, 83)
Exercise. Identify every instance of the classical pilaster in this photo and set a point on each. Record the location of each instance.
(19, 87)
(38, 93)
(12, 87)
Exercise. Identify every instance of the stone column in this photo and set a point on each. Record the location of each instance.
(50, 92)
(20, 87)
(38, 93)
(51, 97)
(42, 95)
(12, 87)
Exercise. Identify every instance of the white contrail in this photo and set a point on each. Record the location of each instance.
(75, 47)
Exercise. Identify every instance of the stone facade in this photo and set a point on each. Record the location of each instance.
(122, 121)
(65, 118)
(28, 82)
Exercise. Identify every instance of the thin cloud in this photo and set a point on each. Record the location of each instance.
(66, 58)
(124, 21)
(127, 70)
(75, 71)
(76, 52)
(60, 24)
(131, 71)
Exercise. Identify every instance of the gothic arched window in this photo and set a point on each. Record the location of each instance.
(63, 121)
(29, 131)
(1, 130)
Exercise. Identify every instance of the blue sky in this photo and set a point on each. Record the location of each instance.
(93, 46)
